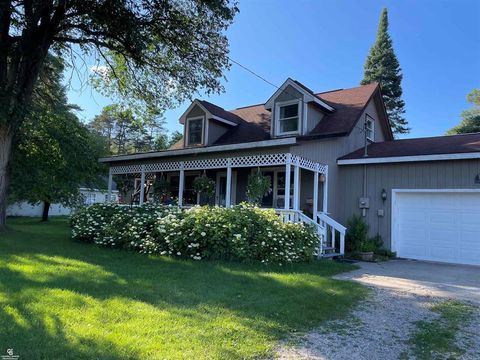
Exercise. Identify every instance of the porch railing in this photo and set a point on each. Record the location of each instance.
(333, 231)
(328, 231)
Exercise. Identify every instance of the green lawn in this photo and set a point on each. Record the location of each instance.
(65, 300)
(436, 339)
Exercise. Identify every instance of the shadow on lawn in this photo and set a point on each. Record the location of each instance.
(269, 301)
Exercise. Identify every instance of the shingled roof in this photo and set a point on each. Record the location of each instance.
(438, 145)
(253, 122)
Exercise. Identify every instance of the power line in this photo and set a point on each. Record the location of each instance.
(362, 129)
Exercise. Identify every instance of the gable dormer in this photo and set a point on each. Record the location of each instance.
(205, 122)
(295, 110)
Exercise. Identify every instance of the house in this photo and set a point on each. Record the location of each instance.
(89, 196)
(329, 155)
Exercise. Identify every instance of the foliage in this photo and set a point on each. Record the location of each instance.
(383, 67)
(438, 338)
(120, 305)
(153, 54)
(125, 132)
(160, 188)
(470, 118)
(357, 234)
(164, 141)
(241, 233)
(56, 153)
(204, 185)
(258, 186)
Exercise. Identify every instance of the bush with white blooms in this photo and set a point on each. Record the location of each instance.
(240, 233)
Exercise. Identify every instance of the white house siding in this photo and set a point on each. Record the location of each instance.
(458, 174)
(26, 209)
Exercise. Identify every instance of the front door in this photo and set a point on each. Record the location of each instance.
(221, 188)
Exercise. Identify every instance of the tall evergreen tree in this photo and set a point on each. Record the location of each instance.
(382, 66)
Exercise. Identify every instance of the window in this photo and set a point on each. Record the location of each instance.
(370, 129)
(287, 118)
(195, 131)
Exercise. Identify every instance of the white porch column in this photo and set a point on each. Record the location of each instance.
(325, 192)
(287, 181)
(142, 186)
(315, 193)
(296, 185)
(228, 191)
(110, 183)
(181, 184)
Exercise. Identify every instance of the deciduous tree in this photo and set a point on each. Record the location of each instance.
(156, 52)
(470, 118)
(55, 153)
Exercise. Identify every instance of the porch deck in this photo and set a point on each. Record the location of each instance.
(331, 233)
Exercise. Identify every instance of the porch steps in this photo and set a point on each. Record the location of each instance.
(331, 255)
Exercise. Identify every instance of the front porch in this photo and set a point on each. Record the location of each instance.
(299, 188)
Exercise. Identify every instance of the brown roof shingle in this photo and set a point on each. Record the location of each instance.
(438, 145)
(349, 105)
(253, 122)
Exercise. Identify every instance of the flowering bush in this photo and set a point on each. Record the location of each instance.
(240, 233)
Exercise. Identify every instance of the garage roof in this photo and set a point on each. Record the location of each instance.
(431, 148)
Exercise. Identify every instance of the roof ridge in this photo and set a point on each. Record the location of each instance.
(247, 106)
(436, 136)
(351, 88)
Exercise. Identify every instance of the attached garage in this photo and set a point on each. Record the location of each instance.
(437, 225)
(422, 196)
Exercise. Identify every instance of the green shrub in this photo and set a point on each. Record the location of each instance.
(357, 234)
(240, 233)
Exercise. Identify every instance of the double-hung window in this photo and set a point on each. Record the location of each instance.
(195, 131)
(288, 116)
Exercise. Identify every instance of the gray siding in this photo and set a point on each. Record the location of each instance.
(215, 130)
(327, 151)
(459, 174)
(290, 93)
(314, 116)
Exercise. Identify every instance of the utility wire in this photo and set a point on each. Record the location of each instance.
(362, 129)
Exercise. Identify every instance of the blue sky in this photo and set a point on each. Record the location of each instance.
(323, 44)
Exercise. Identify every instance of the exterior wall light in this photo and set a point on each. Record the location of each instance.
(384, 195)
(322, 177)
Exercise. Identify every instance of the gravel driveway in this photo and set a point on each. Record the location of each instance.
(402, 293)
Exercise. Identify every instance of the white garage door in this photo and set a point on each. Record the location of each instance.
(437, 226)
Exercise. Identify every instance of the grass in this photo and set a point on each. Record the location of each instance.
(61, 299)
(437, 338)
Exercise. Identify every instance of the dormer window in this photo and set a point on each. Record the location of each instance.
(194, 131)
(288, 117)
(370, 129)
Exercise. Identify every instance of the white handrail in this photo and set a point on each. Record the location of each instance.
(299, 216)
(339, 227)
(334, 226)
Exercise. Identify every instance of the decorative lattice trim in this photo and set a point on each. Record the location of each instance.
(220, 163)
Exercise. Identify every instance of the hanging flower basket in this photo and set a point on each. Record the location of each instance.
(204, 185)
(258, 186)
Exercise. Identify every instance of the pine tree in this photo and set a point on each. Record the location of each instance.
(382, 66)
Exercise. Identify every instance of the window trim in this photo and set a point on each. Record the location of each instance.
(371, 129)
(187, 130)
(279, 105)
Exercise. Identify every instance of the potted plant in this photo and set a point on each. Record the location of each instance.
(160, 188)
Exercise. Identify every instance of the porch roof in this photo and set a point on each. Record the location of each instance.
(222, 162)
(200, 150)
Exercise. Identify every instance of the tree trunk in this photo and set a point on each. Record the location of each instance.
(46, 208)
(6, 141)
